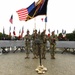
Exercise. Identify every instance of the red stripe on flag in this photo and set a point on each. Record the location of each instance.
(22, 13)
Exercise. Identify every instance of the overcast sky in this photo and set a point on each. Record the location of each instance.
(60, 13)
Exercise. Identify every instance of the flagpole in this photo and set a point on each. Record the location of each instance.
(45, 21)
(34, 23)
(45, 25)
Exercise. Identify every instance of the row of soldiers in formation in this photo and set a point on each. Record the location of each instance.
(43, 38)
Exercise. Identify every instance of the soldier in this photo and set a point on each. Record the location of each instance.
(52, 41)
(27, 43)
(43, 45)
(34, 45)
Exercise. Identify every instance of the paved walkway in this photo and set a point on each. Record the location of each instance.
(15, 64)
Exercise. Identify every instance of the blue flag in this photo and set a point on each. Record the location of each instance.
(45, 19)
(31, 7)
(40, 9)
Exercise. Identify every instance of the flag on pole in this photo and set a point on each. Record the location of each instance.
(65, 31)
(35, 9)
(3, 33)
(19, 37)
(46, 19)
(22, 32)
(9, 31)
(42, 19)
(62, 31)
(45, 22)
(19, 32)
(49, 30)
(11, 19)
(57, 32)
(23, 13)
(22, 29)
(40, 9)
(49, 33)
(14, 33)
(39, 31)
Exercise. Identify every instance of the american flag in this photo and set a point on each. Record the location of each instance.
(11, 19)
(22, 13)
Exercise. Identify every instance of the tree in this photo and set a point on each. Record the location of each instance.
(74, 31)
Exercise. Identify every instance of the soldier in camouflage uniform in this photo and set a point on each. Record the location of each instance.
(34, 45)
(52, 40)
(43, 45)
(27, 43)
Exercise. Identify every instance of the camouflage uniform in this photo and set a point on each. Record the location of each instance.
(43, 45)
(34, 45)
(52, 40)
(27, 43)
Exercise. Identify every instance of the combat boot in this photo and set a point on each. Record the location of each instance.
(34, 57)
(27, 57)
(52, 57)
(43, 57)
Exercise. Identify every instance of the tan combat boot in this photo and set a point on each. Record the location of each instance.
(27, 57)
(34, 57)
(52, 57)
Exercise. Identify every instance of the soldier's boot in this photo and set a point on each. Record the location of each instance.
(27, 56)
(37, 55)
(43, 56)
(52, 57)
(34, 57)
